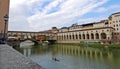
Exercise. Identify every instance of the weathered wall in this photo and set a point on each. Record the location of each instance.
(4, 10)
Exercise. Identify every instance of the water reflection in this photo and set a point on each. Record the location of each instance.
(73, 57)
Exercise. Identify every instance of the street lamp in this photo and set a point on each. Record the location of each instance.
(6, 17)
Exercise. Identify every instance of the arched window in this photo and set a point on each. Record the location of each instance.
(64, 37)
(67, 37)
(92, 36)
(83, 36)
(97, 36)
(76, 36)
(70, 37)
(103, 36)
(88, 36)
(73, 36)
(79, 36)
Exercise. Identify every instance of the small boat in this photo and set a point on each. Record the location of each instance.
(55, 59)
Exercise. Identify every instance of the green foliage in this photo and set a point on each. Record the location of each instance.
(92, 44)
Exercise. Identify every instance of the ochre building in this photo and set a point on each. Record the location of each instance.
(105, 31)
(4, 10)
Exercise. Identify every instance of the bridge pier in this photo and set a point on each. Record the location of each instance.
(33, 40)
(14, 43)
(51, 41)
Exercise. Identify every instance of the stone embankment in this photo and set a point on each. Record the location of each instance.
(12, 59)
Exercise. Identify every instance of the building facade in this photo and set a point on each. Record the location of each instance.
(114, 21)
(105, 31)
(4, 10)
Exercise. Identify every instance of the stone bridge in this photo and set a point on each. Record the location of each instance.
(32, 35)
(35, 37)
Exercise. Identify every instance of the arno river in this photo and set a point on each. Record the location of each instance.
(73, 57)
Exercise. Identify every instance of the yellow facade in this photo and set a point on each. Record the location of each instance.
(4, 10)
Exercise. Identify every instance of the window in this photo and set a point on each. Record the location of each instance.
(113, 21)
(73, 36)
(106, 23)
(83, 36)
(114, 29)
(117, 25)
(103, 36)
(114, 25)
(97, 36)
(117, 29)
(79, 36)
(76, 36)
(116, 21)
(87, 36)
(110, 22)
(67, 36)
(92, 36)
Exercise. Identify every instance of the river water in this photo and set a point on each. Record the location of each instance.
(72, 57)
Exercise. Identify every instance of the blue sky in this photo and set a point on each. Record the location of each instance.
(38, 15)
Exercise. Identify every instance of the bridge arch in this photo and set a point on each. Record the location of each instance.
(33, 40)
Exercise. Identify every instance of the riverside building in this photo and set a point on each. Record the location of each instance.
(4, 10)
(104, 31)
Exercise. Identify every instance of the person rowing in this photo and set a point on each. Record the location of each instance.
(55, 59)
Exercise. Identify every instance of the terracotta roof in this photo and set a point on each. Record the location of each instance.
(116, 13)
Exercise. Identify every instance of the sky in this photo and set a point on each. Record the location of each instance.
(40, 15)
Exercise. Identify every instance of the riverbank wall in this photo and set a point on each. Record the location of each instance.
(95, 45)
(12, 59)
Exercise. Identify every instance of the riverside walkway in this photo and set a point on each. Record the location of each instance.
(12, 59)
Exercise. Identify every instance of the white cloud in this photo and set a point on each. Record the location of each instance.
(30, 15)
(101, 10)
(91, 20)
(114, 8)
